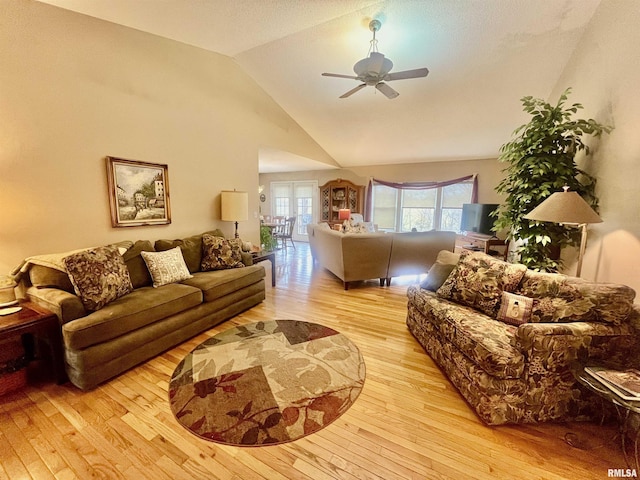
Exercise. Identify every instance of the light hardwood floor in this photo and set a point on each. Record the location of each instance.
(408, 423)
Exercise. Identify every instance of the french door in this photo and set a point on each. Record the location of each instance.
(296, 199)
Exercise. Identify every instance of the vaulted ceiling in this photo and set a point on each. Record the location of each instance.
(483, 56)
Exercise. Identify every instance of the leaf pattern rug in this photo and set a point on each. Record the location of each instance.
(266, 383)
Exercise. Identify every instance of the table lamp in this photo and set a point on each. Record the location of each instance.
(234, 207)
(567, 208)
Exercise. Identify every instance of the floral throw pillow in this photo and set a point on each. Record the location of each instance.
(99, 276)
(218, 253)
(166, 267)
(478, 281)
(352, 226)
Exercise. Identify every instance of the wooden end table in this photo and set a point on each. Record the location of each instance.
(271, 256)
(43, 325)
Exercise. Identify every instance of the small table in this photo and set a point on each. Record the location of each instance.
(624, 407)
(41, 323)
(271, 256)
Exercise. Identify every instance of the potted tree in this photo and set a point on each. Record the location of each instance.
(541, 160)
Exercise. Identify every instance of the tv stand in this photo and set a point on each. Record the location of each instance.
(478, 242)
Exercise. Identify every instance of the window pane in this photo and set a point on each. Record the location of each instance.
(451, 219)
(282, 206)
(457, 194)
(385, 200)
(419, 218)
(419, 198)
(305, 210)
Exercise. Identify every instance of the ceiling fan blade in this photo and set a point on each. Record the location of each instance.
(387, 90)
(337, 75)
(418, 72)
(353, 90)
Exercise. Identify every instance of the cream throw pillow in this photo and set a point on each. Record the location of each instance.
(166, 267)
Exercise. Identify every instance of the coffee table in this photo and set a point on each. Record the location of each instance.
(271, 256)
(43, 325)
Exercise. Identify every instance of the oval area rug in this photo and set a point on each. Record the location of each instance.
(266, 383)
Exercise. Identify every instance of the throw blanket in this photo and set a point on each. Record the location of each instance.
(56, 260)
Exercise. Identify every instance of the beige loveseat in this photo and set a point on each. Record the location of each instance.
(101, 344)
(511, 354)
(364, 256)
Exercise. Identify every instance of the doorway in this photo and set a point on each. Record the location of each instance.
(296, 199)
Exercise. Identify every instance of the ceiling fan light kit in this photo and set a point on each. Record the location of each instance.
(374, 70)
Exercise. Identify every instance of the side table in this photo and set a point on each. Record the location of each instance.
(43, 325)
(271, 256)
(625, 408)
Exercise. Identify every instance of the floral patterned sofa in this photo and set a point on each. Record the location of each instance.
(508, 337)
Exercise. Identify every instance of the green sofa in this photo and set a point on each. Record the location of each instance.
(101, 344)
(518, 367)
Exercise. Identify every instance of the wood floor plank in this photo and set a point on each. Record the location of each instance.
(409, 422)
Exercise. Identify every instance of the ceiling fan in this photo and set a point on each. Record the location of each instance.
(374, 70)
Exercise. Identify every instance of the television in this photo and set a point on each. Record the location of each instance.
(476, 218)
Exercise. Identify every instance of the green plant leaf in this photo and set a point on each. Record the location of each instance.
(540, 160)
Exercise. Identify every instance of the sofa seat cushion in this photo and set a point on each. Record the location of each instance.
(137, 309)
(484, 341)
(218, 283)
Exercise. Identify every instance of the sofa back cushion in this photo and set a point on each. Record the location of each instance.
(191, 248)
(414, 253)
(138, 270)
(560, 298)
(47, 277)
(478, 281)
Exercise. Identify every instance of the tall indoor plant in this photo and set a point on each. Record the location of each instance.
(541, 160)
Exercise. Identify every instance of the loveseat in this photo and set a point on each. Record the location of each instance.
(102, 339)
(367, 255)
(509, 338)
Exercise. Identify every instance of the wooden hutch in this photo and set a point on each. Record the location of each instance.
(339, 194)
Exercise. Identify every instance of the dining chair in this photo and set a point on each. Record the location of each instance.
(287, 232)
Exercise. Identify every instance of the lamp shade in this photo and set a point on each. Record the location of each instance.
(234, 206)
(564, 207)
(344, 214)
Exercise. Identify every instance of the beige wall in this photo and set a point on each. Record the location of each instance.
(489, 174)
(604, 73)
(74, 89)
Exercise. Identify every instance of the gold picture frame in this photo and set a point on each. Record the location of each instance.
(138, 193)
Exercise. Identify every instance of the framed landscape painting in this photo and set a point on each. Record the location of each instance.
(138, 193)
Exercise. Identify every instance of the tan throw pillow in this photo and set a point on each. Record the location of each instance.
(166, 267)
(219, 253)
(99, 276)
(445, 263)
(478, 281)
(515, 309)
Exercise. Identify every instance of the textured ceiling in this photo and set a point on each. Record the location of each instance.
(483, 56)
